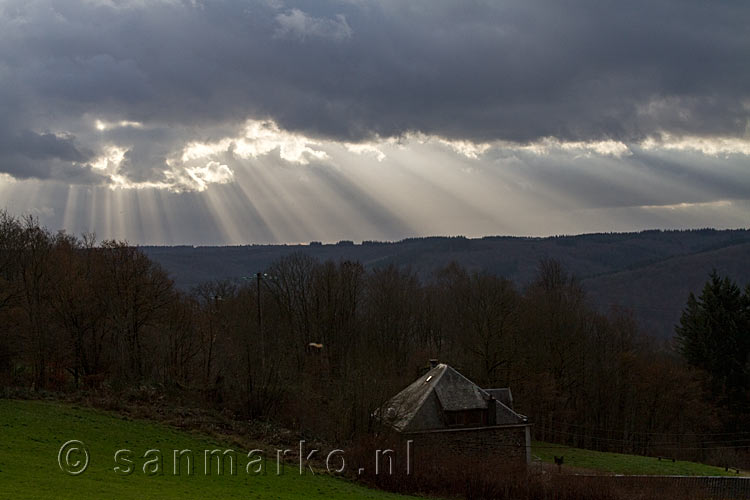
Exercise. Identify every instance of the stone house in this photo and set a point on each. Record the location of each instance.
(446, 412)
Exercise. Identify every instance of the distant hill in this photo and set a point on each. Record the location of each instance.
(650, 272)
(657, 293)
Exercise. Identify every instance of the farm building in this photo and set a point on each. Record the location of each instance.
(444, 410)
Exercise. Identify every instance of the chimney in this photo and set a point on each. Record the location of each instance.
(491, 411)
(433, 363)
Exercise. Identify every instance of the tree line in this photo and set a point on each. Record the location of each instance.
(317, 346)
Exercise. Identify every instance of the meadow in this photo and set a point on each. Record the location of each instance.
(621, 463)
(32, 432)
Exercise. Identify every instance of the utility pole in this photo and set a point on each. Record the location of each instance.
(260, 329)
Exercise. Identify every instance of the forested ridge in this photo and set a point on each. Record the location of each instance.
(649, 272)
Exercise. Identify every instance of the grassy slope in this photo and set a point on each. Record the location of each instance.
(620, 463)
(31, 434)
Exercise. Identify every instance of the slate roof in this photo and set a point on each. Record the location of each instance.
(420, 406)
(456, 392)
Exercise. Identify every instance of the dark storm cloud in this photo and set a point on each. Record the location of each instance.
(27, 154)
(42, 146)
(351, 70)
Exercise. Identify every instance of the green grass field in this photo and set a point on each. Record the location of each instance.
(619, 463)
(32, 432)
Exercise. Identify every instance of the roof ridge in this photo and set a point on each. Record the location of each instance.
(432, 380)
(433, 383)
(452, 391)
(468, 380)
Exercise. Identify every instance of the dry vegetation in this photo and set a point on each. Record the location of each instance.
(472, 478)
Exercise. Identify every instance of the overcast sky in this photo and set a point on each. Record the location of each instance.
(212, 122)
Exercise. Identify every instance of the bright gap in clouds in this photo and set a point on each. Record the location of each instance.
(267, 185)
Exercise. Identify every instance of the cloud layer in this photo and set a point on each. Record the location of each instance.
(182, 95)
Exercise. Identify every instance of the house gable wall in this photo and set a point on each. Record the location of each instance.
(509, 442)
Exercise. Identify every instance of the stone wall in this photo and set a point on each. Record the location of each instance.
(483, 442)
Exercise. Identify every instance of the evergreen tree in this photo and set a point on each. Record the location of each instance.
(714, 335)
